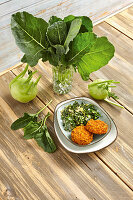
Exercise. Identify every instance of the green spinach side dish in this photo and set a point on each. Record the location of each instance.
(76, 114)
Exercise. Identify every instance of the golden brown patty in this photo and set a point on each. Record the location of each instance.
(81, 136)
(96, 126)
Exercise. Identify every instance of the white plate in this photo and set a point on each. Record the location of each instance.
(99, 141)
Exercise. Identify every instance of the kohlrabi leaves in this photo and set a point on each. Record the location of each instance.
(53, 58)
(36, 130)
(44, 140)
(30, 35)
(98, 56)
(73, 31)
(54, 19)
(57, 32)
(31, 129)
(80, 46)
(60, 50)
(68, 41)
(86, 26)
(23, 121)
(43, 137)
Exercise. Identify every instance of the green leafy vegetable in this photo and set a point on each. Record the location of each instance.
(77, 114)
(30, 35)
(23, 121)
(80, 46)
(86, 26)
(68, 41)
(31, 129)
(24, 89)
(57, 33)
(44, 139)
(54, 19)
(99, 55)
(73, 31)
(101, 90)
(36, 130)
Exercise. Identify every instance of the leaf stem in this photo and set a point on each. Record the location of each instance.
(43, 108)
(108, 81)
(37, 80)
(30, 76)
(29, 87)
(113, 103)
(48, 114)
(19, 76)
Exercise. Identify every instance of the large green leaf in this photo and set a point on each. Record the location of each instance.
(31, 129)
(57, 33)
(80, 46)
(73, 31)
(30, 36)
(54, 19)
(86, 26)
(23, 121)
(99, 55)
(60, 50)
(45, 141)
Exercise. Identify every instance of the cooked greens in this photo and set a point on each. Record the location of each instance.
(76, 114)
(63, 42)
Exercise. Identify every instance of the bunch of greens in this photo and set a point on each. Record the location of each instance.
(77, 114)
(24, 89)
(68, 41)
(101, 90)
(37, 130)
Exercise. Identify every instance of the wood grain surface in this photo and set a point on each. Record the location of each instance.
(119, 164)
(28, 173)
(123, 22)
(33, 174)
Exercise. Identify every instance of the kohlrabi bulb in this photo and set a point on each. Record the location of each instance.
(24, 89)
(96, 91)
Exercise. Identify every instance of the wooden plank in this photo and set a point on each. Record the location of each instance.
(119, 155)
(123, 22)
(10, 54)
(27, 172)
(11, 68)
(13, 6)
(4, 1)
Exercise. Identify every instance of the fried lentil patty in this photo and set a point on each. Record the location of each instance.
(81, 136)
(96, 126)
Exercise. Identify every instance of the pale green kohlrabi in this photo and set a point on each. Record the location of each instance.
(24, 89)
(101, 90)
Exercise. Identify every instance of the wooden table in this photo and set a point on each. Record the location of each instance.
(27, 172)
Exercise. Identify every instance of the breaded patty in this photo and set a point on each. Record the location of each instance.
(96, 126)
(81, 136)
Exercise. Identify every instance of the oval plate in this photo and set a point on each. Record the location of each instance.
(99, 141)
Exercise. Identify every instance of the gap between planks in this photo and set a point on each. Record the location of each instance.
(118, 30)
(94, 152)
(5, 2)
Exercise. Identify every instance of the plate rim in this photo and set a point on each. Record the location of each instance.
(71, 140)
(73, 151)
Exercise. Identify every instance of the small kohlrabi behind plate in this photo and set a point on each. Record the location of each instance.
(101, 90)
(24, 89)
